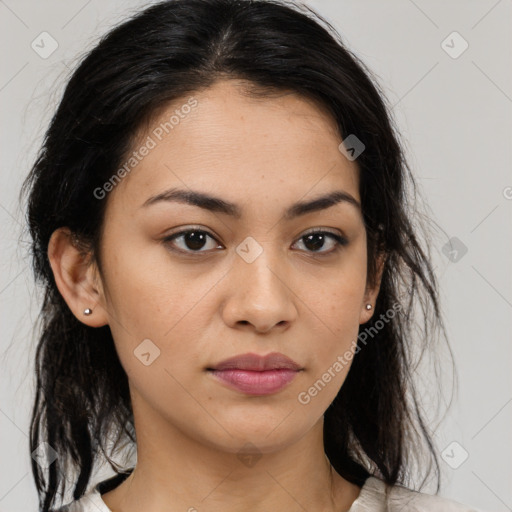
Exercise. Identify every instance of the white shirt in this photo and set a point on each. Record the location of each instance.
(370, 499)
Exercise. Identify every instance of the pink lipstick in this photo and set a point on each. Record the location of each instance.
(257, 375)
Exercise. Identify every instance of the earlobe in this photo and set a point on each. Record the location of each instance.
(371, 295)
(366, 313)
(76, 278)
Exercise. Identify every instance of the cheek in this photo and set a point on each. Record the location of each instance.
(143, 289)
(155, 307)
(338, 300)
(332, 358)
(337, 308)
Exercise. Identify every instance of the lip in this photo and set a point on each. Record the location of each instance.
(255, 362)
(256, 375)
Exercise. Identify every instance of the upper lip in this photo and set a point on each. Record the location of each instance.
(255, 362)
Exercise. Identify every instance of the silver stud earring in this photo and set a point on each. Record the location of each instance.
(368, 306)
(87, 311)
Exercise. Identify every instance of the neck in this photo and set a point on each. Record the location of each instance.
(178, 473)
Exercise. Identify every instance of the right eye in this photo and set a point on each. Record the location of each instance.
(191, 241)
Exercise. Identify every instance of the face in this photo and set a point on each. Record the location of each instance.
(185, 287)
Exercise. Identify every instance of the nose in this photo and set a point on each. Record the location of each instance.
(260, 295)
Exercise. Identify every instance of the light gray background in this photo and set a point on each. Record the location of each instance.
(455, 116)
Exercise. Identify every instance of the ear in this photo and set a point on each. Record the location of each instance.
(77, 279)
(371, 293)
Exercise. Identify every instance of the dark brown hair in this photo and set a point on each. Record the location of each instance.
(164, 53)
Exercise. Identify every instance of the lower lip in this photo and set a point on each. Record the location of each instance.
(256, 382)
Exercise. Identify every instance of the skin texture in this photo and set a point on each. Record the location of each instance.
(264, 155)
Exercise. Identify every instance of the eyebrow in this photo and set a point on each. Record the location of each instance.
(216, 204)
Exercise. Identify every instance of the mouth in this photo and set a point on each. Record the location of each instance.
(253, 374)
(255, 382)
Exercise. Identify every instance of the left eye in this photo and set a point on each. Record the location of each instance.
(193, 240)
(316, 239)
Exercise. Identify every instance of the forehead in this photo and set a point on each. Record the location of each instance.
(247, 149)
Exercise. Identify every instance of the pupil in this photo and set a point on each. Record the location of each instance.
(195, 240)
(320, 238)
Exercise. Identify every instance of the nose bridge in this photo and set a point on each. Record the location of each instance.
(261, 295)
(260, 268)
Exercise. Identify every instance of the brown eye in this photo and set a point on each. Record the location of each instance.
(191, 241)
(315, 241)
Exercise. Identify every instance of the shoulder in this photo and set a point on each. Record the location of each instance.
(376, 496)
(92, 501)
(89, 502)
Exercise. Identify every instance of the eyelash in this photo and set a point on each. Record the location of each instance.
(340, 241)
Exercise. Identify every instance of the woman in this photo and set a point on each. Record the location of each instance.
(221, 221)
